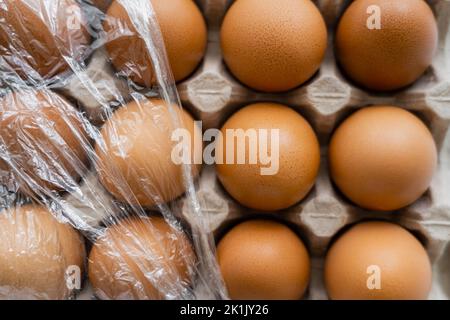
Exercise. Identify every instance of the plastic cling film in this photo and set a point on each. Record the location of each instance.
(64, 177)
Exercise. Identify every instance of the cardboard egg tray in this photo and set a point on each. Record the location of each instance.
(212, 94)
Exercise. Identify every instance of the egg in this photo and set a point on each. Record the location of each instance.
(44, 141)
(263, 260)
(183, 29)
(382, 158)
(377, 260)
(292, 148)
(273, 46)
(102, 4)
(37, 40)
(385, 45)
(141, 258)
(37, 254)
(135, 153)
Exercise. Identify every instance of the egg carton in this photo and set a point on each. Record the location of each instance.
(212, 94)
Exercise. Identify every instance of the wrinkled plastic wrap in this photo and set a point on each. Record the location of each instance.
(84, 191)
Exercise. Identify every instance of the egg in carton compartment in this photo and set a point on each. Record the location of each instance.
(212, 94)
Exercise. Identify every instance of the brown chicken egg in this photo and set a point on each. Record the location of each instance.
(141, 258)
(273, 46)
(38, 254)
(101, 4)
(263, 260)
(377, 260)
(386, 45)
(43, 139)
(36, 40)
(135, 162)
(285, 153)
(382, 158)
(184, 32)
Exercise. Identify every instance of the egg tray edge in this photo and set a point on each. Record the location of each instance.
(211, 94)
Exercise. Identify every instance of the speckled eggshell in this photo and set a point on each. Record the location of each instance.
(401, 260)
(382, 158)
(263, 260)
(135, 161)
(273, 46)
(393, 56)
(184, 31)
(299, 159)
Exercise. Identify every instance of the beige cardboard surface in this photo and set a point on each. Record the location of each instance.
(211, 94)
